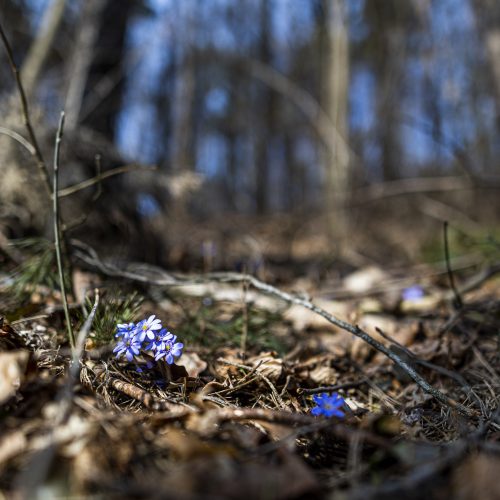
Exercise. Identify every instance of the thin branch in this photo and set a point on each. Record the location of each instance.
(402, 187)
(458, 303)
(332, 388)
(84, 331)
(98, 178)
(57, 240)
(20, 139)
(44, 173)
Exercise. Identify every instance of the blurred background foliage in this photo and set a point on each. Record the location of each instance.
(297, 107)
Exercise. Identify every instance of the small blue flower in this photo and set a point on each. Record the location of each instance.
(124, 329)
(169, 349)
(160, 341)
(328, 405)
(148, 327)
(413, 293)
(129, 345)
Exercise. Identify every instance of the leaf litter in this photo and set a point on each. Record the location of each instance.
(234, 416)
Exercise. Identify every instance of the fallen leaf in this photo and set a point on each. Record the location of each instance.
(193, 363)
(267, 365)
(477, 478)
(362, 280)
(12, 371)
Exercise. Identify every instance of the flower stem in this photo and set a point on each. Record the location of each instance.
(57, 240)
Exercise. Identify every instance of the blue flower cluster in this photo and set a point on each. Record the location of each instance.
(147, 335)
(328, 405)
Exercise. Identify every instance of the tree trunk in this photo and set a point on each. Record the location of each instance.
(336, 103)
(40, 48)
(266, 111)
(81, 60)
(108, 57)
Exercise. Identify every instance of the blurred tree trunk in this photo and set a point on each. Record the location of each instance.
(16, 25)
(109, 57)
(182, 127)
(386, 48)
(182, 152)
(40, 48)
(488, 19)
(335, 99)
(81, 59)
(266, 112)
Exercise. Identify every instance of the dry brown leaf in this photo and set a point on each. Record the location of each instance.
(188, 446)
(12, 372)
(12, 445)
(477, 478)
(267, 365)
(324, 375)
(362, 280)
(193, 363)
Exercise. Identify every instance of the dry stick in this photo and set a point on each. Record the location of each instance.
(26, 116)
(332, 388)
(57, 241)
(170, 280)
(244, 333)
(105, 175)
(20, 139)
(150, 401)
(458, 300)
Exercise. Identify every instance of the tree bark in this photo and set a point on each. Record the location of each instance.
(336, 104)
(40, 48)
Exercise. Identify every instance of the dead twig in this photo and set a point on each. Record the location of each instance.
(102, 176)
(149, 401)
(57, 231)
(20, 139)
(333, 388)
(458, 303)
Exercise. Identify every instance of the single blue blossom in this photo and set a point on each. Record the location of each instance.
(124, 329)
(328, 405)
(169, 349)
(129, 346)
(148, 327)
(413, 293)
(162, 338)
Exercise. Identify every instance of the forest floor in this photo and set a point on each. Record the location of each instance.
(233, 417)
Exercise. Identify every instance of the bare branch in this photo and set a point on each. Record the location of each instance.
(55, 205)
(98, 178)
